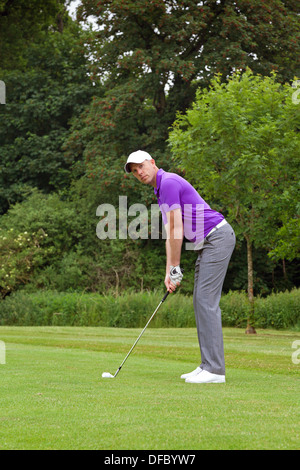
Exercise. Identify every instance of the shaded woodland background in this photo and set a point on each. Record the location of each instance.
(80, 99)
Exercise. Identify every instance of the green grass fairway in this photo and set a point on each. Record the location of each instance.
(53, 396)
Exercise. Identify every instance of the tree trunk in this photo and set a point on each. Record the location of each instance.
(250, 328)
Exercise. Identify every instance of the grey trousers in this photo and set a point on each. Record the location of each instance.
(210, 271)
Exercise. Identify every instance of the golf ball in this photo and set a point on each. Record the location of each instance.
(107, 375)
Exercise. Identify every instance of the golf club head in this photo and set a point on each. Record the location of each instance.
(107, 375)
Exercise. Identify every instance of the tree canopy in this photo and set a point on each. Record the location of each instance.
(163, 47)
(239, 144)
(150, 56)
(78, 101)
(34, 123)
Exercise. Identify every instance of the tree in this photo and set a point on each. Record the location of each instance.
(239, 145)
(162, 47)
(23, 22)
(151, 55)
(34, 123)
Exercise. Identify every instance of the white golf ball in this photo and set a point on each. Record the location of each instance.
(107, 375)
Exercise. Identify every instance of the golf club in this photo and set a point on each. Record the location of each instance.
(107, 375)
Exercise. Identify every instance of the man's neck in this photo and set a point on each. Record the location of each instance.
(153, 183)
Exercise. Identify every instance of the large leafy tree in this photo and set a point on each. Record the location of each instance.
(240, 145)
(165, 45)
(34, 123)
(21, 23)
(151, 55)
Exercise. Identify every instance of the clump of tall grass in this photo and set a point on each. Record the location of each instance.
(131, 310)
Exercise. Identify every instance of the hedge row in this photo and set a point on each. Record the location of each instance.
(129, 310)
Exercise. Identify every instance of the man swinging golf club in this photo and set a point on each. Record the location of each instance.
(186, 214)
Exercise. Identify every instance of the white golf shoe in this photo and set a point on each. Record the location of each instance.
(191, 374)
(205, 377)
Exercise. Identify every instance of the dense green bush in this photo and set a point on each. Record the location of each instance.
(131, 310)
(279, 310)
(20, 254)
(68, 255)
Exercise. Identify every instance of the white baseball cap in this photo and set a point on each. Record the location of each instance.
(136, 157)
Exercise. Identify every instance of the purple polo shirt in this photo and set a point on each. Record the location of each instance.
(174, 192)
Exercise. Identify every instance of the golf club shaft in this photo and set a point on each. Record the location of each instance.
(133, 346)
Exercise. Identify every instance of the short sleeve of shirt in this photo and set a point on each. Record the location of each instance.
(170, 195)
(174, 192)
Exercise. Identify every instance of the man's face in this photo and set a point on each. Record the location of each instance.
(145, 172)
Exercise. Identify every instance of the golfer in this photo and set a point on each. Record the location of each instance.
(186, 214)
